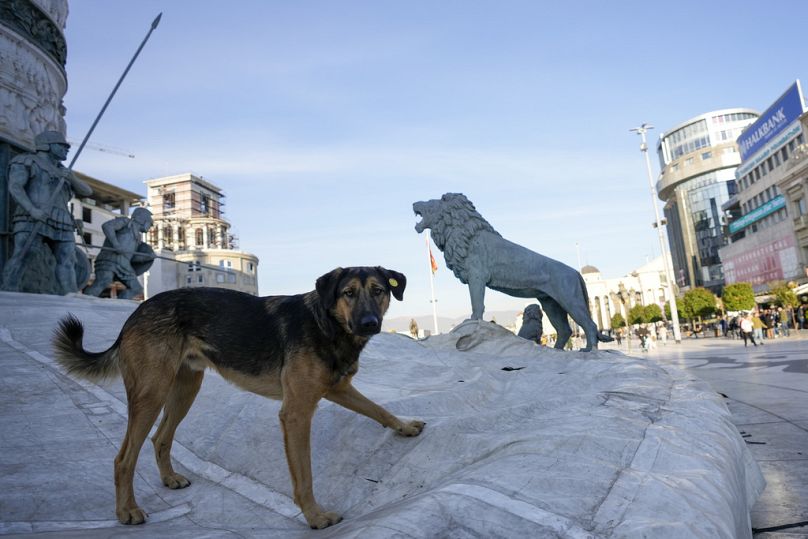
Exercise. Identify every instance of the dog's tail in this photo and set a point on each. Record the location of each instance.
(71, 355)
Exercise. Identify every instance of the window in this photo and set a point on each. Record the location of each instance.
(802, 208)
(251, 267)
(194, 266)
(200, 279)
(204, 204)
(784, 154)
(231, 278)
(199, 238)
(168, 235)
(220, 278)
(88, 238)
(706, 155)
(168, 201)
(87, 215)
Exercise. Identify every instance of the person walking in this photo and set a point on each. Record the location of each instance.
(757, 328)
(747, 330)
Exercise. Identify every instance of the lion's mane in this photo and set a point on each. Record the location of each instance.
(458, 223)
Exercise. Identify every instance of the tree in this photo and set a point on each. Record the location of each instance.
(678, 310)
(618, 321)
(738, 297)
(636, 315)
(784, 295)
(698, 302)
(653, 313)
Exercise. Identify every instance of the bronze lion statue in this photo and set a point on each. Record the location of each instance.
(480, 257)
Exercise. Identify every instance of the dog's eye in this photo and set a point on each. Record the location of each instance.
(349, 293)
(376, 291)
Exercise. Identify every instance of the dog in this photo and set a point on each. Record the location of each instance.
(297, 349)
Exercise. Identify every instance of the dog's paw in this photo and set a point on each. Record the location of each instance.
(323, 519)
(131, 515)
(411, 428)
(175, 481)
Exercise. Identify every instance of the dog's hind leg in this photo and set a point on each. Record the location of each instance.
(145, 397)
(558, 317)
(180, 398)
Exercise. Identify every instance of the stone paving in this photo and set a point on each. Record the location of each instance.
(766, 389)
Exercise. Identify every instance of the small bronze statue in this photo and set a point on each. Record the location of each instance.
(45, 258)
(531, 323)
(480, 257)
(124, 255)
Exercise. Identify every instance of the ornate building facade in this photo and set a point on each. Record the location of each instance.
(645, 285)
(190, 230)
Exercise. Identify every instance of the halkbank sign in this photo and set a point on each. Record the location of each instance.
(783, 112)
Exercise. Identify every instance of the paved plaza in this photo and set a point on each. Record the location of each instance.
(45, 415)
(766, 389)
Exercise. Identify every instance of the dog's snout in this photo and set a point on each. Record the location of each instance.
(369, 322)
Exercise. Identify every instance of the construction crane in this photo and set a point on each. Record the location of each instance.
(105, 149)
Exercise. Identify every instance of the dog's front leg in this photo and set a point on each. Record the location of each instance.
(346, 395)
(297, 410)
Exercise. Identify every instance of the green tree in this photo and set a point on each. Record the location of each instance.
(698, 302)
(636, 315)
(653, 313)
(618, 321)
(678, 310)
(738, 297)
(784, 295)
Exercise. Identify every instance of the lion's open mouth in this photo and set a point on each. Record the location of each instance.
(419, 221)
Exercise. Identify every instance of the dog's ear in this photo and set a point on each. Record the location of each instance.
(327, 287)
(396, 282)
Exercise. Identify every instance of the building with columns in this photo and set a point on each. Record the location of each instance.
(193, 239)
(645, 285)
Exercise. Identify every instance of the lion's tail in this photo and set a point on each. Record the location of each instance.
(71, 355)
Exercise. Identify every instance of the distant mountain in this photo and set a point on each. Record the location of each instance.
(402, 323)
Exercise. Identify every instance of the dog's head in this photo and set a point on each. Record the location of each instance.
(358, 297)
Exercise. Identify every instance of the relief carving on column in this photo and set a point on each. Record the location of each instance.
(31, 91)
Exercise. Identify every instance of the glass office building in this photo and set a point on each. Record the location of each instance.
(698, 159)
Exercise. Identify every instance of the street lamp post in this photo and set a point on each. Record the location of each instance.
(677, 335)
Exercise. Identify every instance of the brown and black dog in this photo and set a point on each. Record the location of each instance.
(298, 349)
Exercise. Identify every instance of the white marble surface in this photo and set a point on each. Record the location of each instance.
(571, 445)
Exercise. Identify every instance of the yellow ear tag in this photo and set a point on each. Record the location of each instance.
(393, 282)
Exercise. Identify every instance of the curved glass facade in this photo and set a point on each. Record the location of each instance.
(698, 160)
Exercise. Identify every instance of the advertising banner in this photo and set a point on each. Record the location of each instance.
(786, 110)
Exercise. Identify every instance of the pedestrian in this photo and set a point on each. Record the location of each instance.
(768, 322)
(663, 333)
(747, 330)
(619, 336)
(757, 328)
(800, 316)
(785, 316)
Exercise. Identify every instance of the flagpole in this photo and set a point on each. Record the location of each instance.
(432, 285)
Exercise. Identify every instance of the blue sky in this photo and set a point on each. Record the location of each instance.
(324, 121)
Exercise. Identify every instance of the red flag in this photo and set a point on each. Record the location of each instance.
(432, 260)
